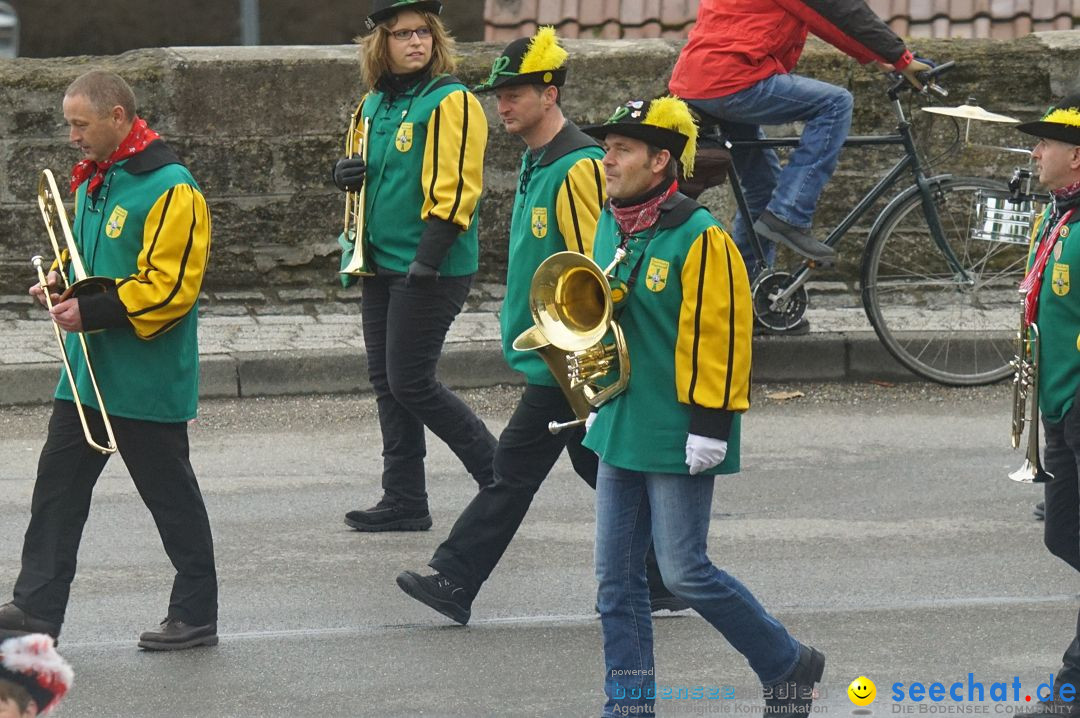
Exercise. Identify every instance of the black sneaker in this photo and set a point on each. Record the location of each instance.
(16, 622)
(175, 635)
(794, 696)
(438, 592)
(774, 229)
(1040, 511)
(661, 599)
(389, 517)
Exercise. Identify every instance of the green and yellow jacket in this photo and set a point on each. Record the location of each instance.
(559, 199)
(687, 322)
(1058, 319)
(425, 160)
(147, 227)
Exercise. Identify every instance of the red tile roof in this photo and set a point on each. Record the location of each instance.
(1001, 19)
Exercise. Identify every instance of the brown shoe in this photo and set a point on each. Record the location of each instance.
(175, 635)
(16, 622)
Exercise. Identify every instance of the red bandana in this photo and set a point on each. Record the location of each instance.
(135, 142)
(1033, 281)
(637, 217)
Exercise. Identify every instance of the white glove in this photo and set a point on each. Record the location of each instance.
(704, 452)
(589, 421)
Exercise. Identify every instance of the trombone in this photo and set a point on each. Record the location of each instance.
(52, 211)
(355, 218)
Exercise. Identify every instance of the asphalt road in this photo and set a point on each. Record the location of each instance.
(876, 522)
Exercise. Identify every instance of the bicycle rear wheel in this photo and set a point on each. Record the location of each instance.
(937, 324)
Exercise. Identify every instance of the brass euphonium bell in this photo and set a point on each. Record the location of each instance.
(571, 305)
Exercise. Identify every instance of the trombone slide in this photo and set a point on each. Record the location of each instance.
(110, 446)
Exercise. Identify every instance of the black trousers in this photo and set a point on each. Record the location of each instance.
(1062, 525)
(156, 455)
(526, 453)
(404, 330)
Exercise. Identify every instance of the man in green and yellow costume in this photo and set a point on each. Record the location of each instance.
(142, 223)
(685, 311)
(559, 197)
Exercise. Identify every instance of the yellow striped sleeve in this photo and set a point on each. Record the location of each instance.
(454, 159)
(171, 264)
(712, 352)
(578, 204)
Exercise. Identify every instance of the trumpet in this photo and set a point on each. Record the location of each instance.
(354, 208)
(571, 305)
(55, 216)
(1025, 388)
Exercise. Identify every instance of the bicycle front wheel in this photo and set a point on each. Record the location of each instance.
(942, 325)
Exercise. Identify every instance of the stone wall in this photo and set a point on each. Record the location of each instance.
(261, 126)
(52, 28)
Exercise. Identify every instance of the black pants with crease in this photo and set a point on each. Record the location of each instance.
(156, 456)
(1062, 524)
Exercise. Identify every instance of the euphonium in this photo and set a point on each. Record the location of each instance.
(571, 305)
(1025, 387)
(354, 208)
(55, 216)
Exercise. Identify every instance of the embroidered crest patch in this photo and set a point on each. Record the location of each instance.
(656, 275)
(539, 222)
(115, 225)
(1060, 279)
(403, 140)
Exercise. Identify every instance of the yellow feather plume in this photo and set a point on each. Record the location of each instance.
(671, 113)
(1070, 116)
(544, 52)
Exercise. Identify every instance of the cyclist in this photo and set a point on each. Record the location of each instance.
(737, 67)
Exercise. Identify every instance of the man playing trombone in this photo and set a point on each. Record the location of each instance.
(1053, 308)
(142, 223)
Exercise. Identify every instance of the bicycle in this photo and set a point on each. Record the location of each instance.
(942, 262)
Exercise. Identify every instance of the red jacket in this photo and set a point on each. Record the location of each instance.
(737, 43)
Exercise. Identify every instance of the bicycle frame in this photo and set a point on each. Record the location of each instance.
(910, 161)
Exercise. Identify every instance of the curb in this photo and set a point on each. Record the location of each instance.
(851, 356)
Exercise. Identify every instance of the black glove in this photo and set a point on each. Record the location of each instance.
(420, 274)
(348, 174)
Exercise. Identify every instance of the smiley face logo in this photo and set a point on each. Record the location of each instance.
(862, 691)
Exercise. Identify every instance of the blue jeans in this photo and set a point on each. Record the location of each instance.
(791, 194)
(673, 511)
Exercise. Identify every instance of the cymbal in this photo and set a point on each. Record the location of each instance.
(970, 112)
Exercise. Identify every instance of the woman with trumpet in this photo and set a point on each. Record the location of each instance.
(142, 224)
(419, 184)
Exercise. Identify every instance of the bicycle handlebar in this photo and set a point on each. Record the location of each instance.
(926, 77)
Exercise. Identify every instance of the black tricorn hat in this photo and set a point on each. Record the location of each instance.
(385, 9)
(1061, 122)
(536, 60)
(665, 122)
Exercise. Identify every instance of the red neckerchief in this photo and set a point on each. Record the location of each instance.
(1033, 281)
(135, 142)
(641, 216)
